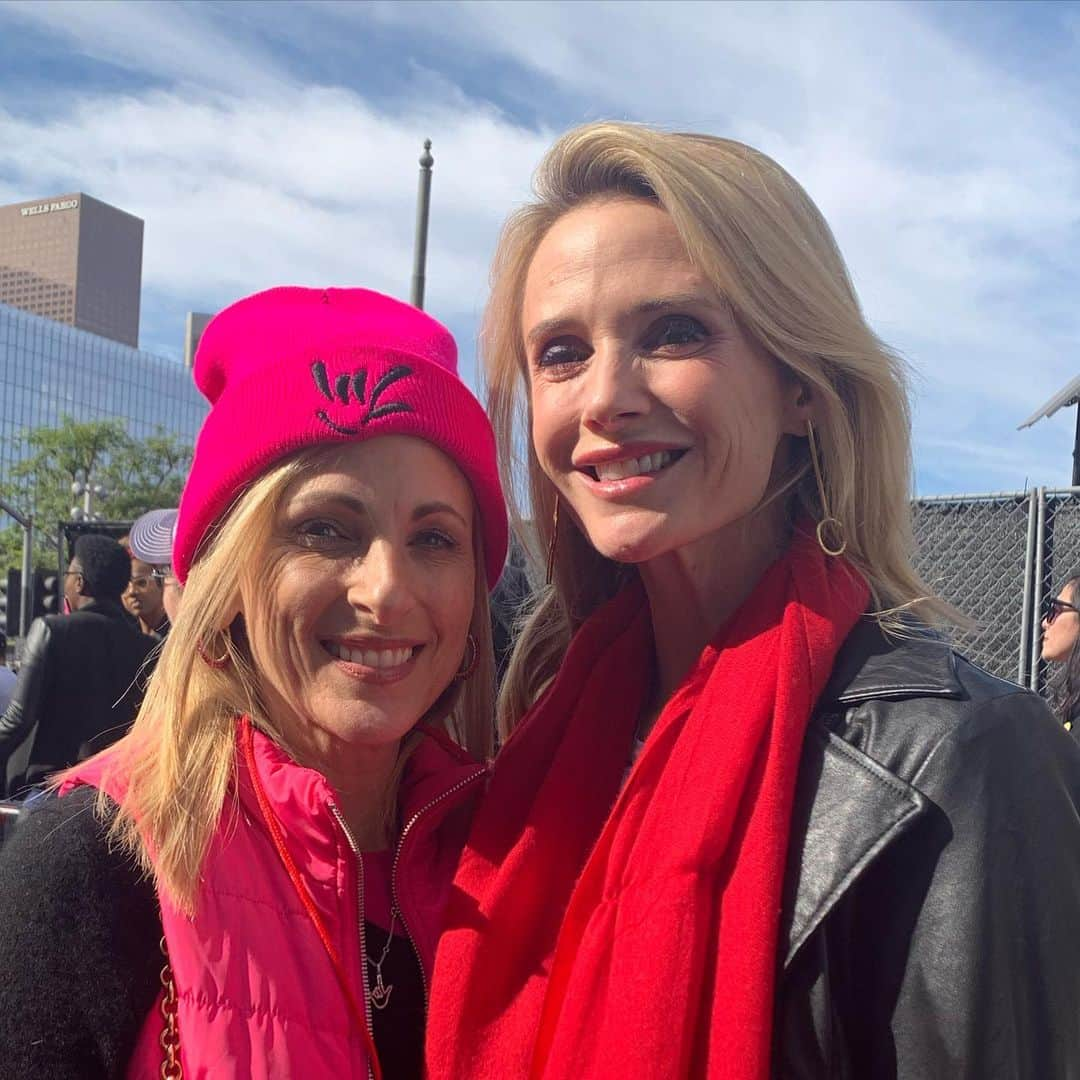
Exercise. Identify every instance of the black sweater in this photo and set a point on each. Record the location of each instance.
(79, 955)
(77, 691)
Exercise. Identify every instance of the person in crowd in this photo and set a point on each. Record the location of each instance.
(753, 817)
(150, 541)
(144, 598)
(127, 597)
(297, 783)
(7, 676)
(77, 689)
(1061, 634)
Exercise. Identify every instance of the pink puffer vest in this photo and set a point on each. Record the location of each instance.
(257, 992)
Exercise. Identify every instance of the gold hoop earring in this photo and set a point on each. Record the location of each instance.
(827, 522)
(554, 541)
(472, 650)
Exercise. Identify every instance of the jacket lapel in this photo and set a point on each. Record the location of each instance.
(848, 809)
(848, 806)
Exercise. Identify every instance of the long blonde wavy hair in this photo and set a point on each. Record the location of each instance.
(753, 232)
(179, 757)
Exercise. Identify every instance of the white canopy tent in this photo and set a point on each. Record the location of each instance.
(1068, 395)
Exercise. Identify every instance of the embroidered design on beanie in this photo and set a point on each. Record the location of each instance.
(354, 385)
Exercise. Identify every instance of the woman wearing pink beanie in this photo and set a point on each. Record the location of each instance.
(286, 815)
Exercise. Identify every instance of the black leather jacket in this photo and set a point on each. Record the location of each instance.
(76, 692)
(932, 893)
(932, 890)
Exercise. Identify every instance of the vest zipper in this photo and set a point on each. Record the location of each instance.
(397, 858)
(351, 840)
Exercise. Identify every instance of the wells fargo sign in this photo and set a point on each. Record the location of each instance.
(49, 207)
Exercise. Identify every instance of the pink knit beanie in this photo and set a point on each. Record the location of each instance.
(290, 368)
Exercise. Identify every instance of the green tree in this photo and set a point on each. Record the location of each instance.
(144, 474)
(137, 475)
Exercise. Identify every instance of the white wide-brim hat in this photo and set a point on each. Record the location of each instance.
(151, 537)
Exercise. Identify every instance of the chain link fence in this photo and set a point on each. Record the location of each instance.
(998, 559)
(1057, 557)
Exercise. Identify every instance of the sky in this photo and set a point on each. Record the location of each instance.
(277, 143)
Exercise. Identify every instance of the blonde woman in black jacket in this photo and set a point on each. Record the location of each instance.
(716, 444)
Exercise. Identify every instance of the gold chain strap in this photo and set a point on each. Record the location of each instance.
(171, 1068)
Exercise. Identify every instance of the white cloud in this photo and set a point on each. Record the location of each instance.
(184, 43)
(953, 187)
(239, 194)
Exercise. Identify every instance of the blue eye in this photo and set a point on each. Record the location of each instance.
(676, 331)
(562, 352)
(319, 529)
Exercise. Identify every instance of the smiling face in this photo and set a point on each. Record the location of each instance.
(357, 620)
(655, 417)
(1062, 627)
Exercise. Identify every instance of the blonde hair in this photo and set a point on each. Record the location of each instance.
(753, 232)
(177, 761)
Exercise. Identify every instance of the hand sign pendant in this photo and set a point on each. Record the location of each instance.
(380, 992)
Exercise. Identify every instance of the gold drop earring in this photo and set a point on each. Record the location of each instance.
(828, 523)
(554, 540)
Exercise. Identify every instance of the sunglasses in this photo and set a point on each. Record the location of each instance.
(1058, 607)
(163, 576)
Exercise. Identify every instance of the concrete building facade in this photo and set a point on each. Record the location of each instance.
(74, 259)
(194, 325)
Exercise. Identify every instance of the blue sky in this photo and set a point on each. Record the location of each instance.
(277, 143)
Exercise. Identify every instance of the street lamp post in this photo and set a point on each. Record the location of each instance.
(26, 601)
(423, 206)
(89, 491)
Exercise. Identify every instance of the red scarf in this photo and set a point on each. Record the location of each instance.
(598, 932)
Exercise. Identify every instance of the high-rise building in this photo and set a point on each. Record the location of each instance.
(74, 259)
(49, 372)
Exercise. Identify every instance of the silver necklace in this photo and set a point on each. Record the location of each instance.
(379, 994)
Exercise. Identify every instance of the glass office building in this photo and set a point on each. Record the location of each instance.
(49, 371)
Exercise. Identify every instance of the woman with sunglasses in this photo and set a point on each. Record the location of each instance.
(250, 884)
(752, 817)
(144, 598)
(1061, 647)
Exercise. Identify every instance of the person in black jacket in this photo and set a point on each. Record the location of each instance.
(75, 693)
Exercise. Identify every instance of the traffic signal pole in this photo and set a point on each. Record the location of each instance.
(27, 599)
(26, 611)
